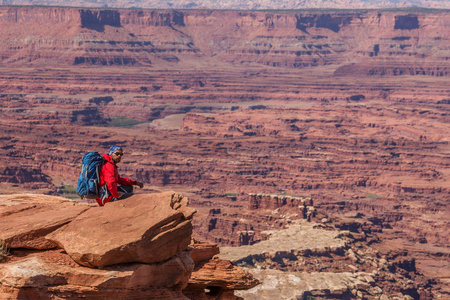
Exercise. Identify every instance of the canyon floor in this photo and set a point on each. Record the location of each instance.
(355, 141)
(384, 157)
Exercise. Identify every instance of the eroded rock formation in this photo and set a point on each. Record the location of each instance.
(317, 260)
(363, 43)
(143, 226)
(148, 229)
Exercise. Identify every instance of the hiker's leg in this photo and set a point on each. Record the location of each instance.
(103, 194)
(126, 189)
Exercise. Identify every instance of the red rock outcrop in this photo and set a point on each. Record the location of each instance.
(38, 277)
(24, 224)
(219, 278)
(44, 273)
(143, 228)
(29, 176)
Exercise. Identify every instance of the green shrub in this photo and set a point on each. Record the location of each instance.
(120, 121)
(372, 196)
(68, 191)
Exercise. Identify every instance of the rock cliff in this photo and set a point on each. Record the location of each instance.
(357, 42)
(138, 256)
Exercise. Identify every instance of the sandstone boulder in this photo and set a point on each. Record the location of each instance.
(26, 219)
(141, 244)
(222, 273)
(45, 276)
(218, 278)
(144, 228)
(203, 251)
(213, 277)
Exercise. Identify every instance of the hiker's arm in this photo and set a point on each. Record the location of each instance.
(139, 184)
(111, 182)
(127, 181)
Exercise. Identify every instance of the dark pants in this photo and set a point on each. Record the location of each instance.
(127, 189)
(105, 193)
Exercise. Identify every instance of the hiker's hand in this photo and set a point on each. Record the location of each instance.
(139, 184)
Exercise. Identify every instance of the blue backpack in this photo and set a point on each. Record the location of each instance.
(87, 186)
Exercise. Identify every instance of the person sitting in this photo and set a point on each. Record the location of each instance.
(112, 187)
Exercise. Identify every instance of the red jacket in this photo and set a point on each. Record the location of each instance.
(110, 176)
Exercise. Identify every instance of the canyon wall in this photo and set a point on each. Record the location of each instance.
(356, 42)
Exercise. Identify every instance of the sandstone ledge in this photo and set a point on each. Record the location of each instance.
(38, 277)
(143, 228)
(26, 219)
(284, 285)
(298, 239)
(138, 248)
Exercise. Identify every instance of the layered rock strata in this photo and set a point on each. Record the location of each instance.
(153, 228)
(36, 277)
(357, 42)
(238, 5)
(125, 270)
(217, 277)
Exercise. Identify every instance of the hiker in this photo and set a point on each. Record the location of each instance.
(112, 186)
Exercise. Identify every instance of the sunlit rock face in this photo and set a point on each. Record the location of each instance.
(361, 43)
(139, 248)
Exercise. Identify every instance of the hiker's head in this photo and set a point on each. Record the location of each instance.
(116, 153)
